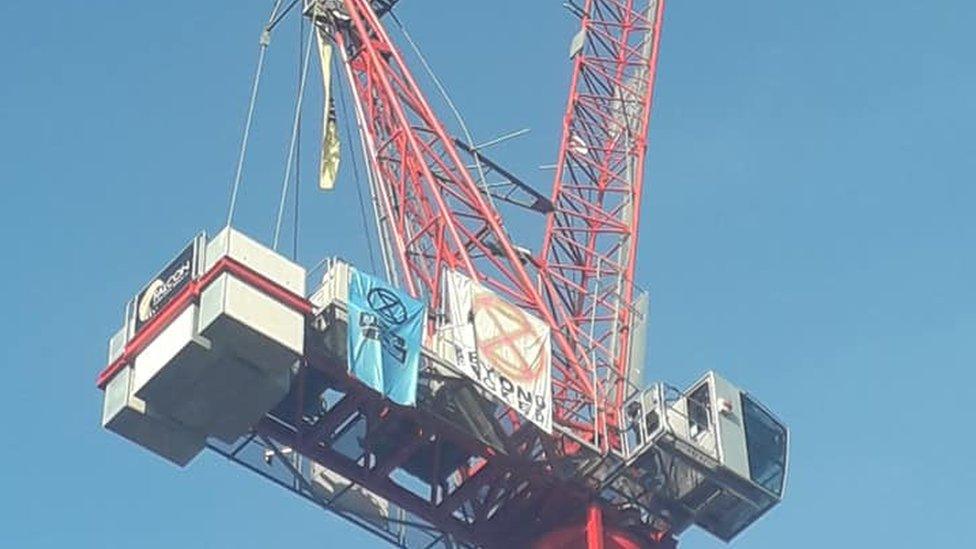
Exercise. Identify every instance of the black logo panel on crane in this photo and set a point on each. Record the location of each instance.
(165, 286)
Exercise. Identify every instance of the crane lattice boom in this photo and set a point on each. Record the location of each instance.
(435, 216)
(591, 238)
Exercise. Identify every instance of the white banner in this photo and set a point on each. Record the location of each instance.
(502, 348)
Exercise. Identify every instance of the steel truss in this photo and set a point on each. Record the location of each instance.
(499, 481)
(480, 482)
(434, 215)
(591, 238)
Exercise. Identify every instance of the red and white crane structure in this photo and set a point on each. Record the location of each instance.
(624, 466)
(436, 217)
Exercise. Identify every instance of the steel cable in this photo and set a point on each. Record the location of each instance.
(294, 140)
(264, 42)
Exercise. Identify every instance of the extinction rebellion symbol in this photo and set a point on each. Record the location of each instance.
(507, 333)
(387, 305)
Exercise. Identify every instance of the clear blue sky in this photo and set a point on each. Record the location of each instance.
(808, 232)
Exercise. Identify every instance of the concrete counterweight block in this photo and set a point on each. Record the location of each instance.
(221, 363)
(169, 367)
(258, 341)
(129, 416)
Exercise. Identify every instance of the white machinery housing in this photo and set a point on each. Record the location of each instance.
(207, 349)
(712, 456)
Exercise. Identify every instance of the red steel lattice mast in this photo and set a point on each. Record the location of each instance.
(591, 239)
(434, 214)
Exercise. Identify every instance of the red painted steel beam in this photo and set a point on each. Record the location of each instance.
(335, 416)
(590, 247)
(191, 294)
(468, 489)
(594, 527)
(436, 216)
(381, 486)
(594, 532)
(400, 455)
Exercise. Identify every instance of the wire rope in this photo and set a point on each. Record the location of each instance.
(442, 90)
(264, 41)
(293, 142)
(298, 152)
(355, 174)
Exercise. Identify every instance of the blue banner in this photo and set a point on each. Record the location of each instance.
(385, 334)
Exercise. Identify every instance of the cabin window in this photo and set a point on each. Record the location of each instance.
(766, 444)
(699, 411)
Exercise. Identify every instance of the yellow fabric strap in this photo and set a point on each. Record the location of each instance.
(329, 165)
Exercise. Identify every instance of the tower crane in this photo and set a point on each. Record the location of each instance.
(478, 394)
